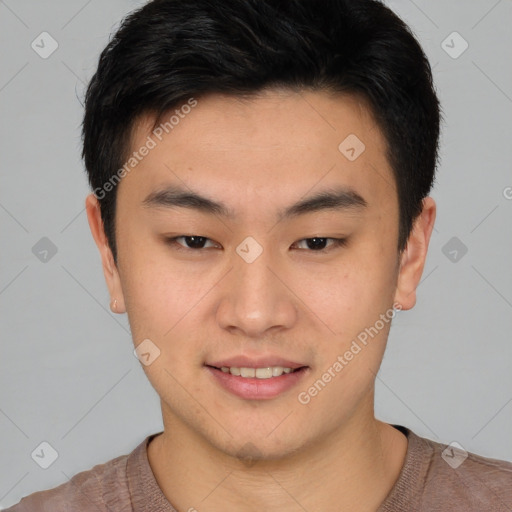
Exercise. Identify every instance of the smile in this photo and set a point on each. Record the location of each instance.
(261, 383)
(259, 373)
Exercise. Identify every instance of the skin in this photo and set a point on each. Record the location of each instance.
(259, 156)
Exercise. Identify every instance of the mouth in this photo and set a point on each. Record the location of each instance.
(256, 383)
(266, 372)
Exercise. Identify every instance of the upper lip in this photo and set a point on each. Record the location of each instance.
(255, 362)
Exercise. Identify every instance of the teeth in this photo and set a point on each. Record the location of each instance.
(277, 370)
(248, 372)
(259, 373)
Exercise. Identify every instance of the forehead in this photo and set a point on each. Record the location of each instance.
(274, 148)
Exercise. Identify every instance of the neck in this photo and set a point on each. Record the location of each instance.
(352, 469)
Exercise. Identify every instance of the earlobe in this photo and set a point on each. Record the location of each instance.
(110, 271)
(414, 255)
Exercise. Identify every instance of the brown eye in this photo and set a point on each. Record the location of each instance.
(192, 242)
(317, 244)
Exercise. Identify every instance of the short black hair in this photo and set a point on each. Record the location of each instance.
(169, 51)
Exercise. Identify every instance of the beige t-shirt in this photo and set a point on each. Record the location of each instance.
(429, 481)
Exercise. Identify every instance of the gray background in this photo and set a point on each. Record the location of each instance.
(68, 373)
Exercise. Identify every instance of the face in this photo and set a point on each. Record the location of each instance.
(259, 279)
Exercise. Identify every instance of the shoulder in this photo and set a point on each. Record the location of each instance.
(466, 480)
(100, 488)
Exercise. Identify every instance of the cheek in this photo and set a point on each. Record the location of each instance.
(161, 305)
(154, 297)
(163, 300)
(337, 301)
(349, 295)
(158, 299)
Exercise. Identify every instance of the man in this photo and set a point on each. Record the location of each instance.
(261, 172)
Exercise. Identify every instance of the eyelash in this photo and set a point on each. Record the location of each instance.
(338, 242)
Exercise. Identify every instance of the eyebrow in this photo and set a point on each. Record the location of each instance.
(337, 199)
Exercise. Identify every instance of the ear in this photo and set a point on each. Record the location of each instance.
(110, 271)
(414, 255)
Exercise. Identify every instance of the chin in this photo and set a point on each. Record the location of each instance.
(255, 449)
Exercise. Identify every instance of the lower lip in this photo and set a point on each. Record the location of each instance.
(251, 388)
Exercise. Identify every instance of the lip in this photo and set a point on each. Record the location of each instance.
(255, 362)
(252, 388)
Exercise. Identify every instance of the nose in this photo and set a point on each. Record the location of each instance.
(255, 298)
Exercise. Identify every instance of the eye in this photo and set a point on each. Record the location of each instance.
(194, 242)
(318, 243)
(197, 243)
